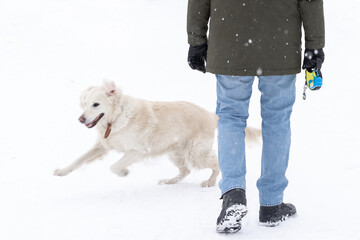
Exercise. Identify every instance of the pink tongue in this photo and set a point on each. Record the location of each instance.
(94, 122)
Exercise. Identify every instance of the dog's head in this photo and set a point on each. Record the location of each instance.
(99, 104)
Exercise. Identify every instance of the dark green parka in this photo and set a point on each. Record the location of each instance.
(255, 37)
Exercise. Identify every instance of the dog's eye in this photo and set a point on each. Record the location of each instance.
(96, 104)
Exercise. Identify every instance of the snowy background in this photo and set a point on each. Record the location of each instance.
(50, 50)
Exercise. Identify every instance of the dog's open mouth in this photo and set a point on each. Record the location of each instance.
(96, 120)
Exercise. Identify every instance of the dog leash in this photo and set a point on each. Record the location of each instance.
(313, 81)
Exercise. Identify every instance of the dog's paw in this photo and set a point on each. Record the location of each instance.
(62, 172)
(120, 172)
(168, 181)
(207, 183)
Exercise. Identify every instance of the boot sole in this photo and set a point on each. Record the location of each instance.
(276, 223)
(231, 222)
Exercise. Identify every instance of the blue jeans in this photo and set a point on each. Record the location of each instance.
(277, 99)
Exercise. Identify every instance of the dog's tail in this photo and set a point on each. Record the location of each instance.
(252, 134)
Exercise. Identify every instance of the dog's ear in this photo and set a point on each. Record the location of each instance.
(113, 92)
(110, 88)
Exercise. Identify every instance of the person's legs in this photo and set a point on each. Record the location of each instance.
(233, 96)
(277, 99)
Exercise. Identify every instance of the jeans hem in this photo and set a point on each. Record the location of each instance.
(270, 204)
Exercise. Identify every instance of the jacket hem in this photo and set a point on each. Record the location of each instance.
(253, 72)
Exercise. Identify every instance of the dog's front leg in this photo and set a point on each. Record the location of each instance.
(119, 168)
(94, 153)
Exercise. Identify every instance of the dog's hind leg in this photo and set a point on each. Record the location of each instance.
(179, 160)
(183, 172)
(94, 153)
(120, 167)
(203, 156)
(210, 161)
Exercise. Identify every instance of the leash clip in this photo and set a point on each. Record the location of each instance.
(304, 93)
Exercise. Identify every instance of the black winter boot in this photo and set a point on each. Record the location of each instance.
(233, 210)
(272, 216)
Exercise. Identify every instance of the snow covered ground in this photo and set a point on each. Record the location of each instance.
(50, 50)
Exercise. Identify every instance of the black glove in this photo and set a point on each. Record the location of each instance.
(313, 59)
(197, 57)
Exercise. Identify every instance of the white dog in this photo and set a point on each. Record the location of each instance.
(141, 129)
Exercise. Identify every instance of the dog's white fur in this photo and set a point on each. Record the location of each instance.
(141, 129)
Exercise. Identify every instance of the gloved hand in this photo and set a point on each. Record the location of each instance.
(313, 59)
(197, 57)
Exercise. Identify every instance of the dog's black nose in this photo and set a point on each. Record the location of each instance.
(82, 119)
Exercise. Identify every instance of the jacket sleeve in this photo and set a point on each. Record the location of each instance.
(198, 15)
(312, 15)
